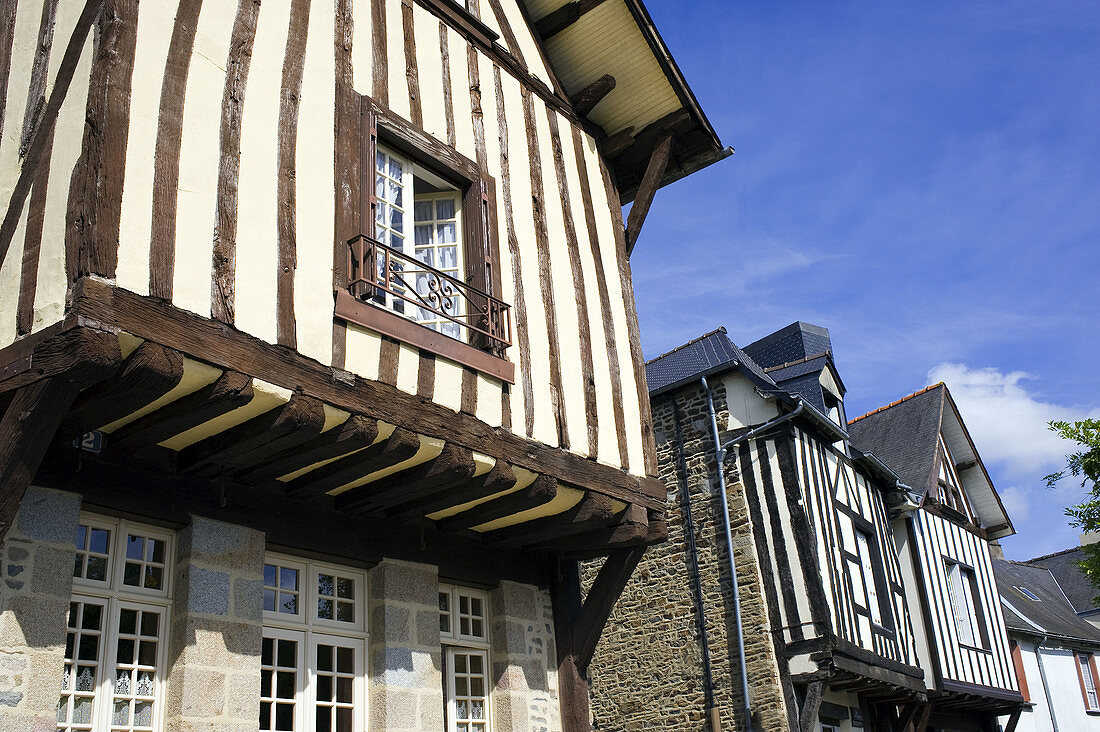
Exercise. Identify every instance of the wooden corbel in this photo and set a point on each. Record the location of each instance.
(43, 392)
(654, 171)
(587, 98)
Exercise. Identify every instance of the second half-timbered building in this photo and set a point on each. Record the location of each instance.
(319, 360)
(834, 624)
(944, 546)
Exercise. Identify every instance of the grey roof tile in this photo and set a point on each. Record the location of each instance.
(904, 435)
(707, 353)
(1052, 612)
(1063, 565)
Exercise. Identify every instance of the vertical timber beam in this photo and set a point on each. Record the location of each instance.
(807, 718)
(572, 686)
(654, 171)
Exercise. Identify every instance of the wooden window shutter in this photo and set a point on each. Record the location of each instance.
(1018, 664)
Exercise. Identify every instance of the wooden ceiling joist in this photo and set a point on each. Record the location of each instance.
(397, 448)
(254, 441)
(354, 434)
(230, 391)
(591, 512)
(538, 493)
(149, 373)
(631, 527)
(500, 478)
(452, 466)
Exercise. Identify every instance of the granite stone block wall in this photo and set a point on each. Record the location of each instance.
(524, 661)
(35, 589)
(406, 670)
(647, 673)
(217, 628)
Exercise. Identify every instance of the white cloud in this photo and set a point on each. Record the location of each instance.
(1008, 424)
(1016, 502)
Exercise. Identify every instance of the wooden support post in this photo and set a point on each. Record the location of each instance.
(654, 171)
(807, 716)
(608, 585)
(572, 685)
(1013, 720)
(587, 98)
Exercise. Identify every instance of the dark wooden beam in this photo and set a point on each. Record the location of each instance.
(654, 171)
(229, 391)
(614, 145)
(630, 528)
(82, 355)
(540, 492)
(354, 434)
(591, 512)
(149, 373)
(558, 20)
(565, 596)
(587, 98)
(1013, 720)
(222, 346)
(452, 466)
(26, 431)
(601, 599)
(807, 715)
(252, 442)
(499, 479)
(397, 448)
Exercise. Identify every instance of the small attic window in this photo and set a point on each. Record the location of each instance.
(1027, 593)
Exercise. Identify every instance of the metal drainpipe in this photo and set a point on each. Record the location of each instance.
(721, 456)
(1043, 678)
(696, 583)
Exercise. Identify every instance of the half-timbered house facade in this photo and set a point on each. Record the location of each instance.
(944, 548)
(319, 360)
(822, 634)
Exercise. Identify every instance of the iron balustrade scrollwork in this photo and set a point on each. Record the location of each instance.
(376, 270)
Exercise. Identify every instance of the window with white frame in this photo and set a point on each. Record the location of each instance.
(430, 235)
(115, 646)
(464, 633)
(313, 657)
(966, 607)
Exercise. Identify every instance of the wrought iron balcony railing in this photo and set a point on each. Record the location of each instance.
(409, 287)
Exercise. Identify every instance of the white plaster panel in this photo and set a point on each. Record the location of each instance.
(565, 299)
(315, 190)
(53, 283)
(257, 190)
(199, 156)
(154, 33)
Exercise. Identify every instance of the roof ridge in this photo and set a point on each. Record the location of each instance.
(1055, 554)
(719, 329)
(899, 401)
(796, 362)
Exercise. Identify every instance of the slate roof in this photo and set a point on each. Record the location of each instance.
(1053, 613)
(707, 354)
(1063, 565)
(795, 342)
(904, 435)
(789, 370)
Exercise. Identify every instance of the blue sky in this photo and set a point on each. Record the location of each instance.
(923, 179)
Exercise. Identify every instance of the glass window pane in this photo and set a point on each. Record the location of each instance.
(445, 233)
(97, 568)
(99, 540)
(445, 209)
(288, 578)
(422, 211)
(135, 546)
